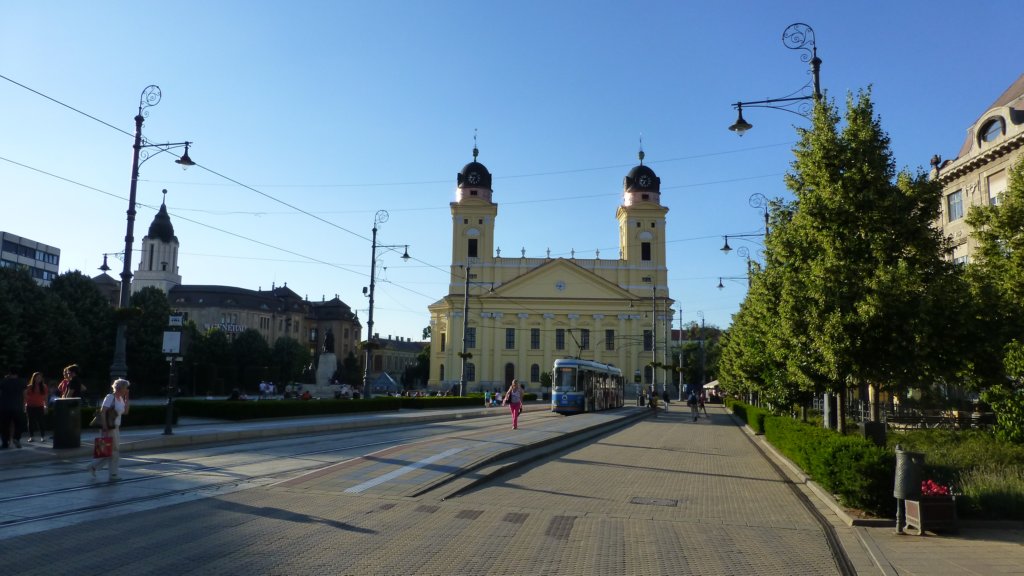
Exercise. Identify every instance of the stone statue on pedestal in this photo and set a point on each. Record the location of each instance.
(328, 347)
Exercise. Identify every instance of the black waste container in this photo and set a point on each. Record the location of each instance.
(67, 423)
(908, 474)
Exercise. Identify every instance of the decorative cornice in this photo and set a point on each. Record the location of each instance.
(969, 164)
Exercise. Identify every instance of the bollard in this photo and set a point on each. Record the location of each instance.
(907, 483)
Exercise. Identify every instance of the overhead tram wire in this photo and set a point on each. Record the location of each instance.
(208, 226)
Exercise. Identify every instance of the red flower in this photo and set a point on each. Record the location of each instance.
(932, 488)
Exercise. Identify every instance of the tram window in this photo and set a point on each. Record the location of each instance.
(565, 379)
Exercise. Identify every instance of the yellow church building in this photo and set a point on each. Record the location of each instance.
(514, 316)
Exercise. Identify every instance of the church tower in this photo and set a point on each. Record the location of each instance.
(642, 228)
(473, 214)
(159, 263)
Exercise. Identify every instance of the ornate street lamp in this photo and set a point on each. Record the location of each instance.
(150, 97)
(797, 36)
(379, 218)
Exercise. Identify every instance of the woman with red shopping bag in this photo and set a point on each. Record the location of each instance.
(514, 399)
(106, 451)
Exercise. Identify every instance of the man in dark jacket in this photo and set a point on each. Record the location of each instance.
(12, 409)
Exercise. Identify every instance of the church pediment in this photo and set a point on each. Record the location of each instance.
(561, 279)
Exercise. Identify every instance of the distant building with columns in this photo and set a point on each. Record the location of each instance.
(525, 312)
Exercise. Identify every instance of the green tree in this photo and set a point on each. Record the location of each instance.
(856, 264)
(252, 359)
(209, 361)
(996, 277)
(289, 359)
(148, 368)
(350, 372)
(91, 345)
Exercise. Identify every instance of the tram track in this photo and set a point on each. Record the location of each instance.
(195, 467)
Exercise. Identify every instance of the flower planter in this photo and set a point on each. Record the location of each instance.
(933, 513)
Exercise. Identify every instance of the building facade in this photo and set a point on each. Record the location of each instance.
(41, 260)
(980, 173)
(274, 313)
(516, 315)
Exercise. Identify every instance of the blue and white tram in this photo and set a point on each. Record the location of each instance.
(585, 386)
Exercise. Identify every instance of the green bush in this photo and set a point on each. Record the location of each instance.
(986, 473)
(137, 416)
(252, 410)
(751, 415)
(859, 473)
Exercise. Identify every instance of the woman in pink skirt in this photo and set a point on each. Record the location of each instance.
(514, 399)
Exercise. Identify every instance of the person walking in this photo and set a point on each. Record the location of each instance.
(691, 400)
(701, 401)
(487, 398)
(514, 399)
(114, 406)
(36, 396)
(12, 409)
(75, 388)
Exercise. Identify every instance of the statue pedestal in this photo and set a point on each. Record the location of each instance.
(325, 368)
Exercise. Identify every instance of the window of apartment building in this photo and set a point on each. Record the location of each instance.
(585, 339)
(996, 187)
(648, 340)
(471, 337)
(470, 372)
(645, 251)
(510, 338)
(992, 130)
(560, 339)
(960, 260)
(609, 339)
(534, 338)
(955, 206)
(472, 247)
(535, 373)
(444, 340)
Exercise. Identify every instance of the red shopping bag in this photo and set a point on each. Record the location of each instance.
(103, 447)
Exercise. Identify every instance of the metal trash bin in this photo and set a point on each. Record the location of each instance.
(908, 474)
(874, 431)
(67, 423)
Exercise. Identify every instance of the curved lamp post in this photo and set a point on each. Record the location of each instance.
(797, 36)
(379, 218)
(150, 97)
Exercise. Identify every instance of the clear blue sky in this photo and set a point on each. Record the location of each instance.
(345, 108)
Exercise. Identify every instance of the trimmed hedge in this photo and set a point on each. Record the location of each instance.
(859, 473)
(751, 415)
(254, 410)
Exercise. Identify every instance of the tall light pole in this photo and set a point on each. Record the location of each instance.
(379, 218)
(150, 97)
(465, 328)
(760, 201)
(680, 353)
(700, 314)
(797, 36)
(654, 340)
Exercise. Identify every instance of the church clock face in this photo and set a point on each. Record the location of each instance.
(473, 178)
(644, 181)
(560, 286)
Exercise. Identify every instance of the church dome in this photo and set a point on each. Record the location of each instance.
(642, 178)
(474, 175)
(161, 227)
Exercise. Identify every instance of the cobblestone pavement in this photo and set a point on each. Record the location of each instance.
(664, 496)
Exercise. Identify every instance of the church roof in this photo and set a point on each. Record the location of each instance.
(161, 227)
